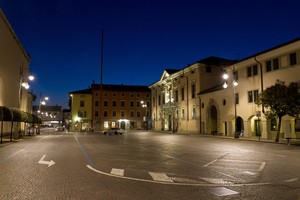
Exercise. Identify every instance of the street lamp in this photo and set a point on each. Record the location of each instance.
(225, 85)
(42, 102)
(145, 119)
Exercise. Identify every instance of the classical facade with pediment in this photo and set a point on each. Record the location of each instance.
(175, 100)
(196, 99)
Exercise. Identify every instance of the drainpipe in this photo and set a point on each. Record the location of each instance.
(261, 80)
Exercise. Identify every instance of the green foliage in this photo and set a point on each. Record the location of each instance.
(5, 114)
(280, 100)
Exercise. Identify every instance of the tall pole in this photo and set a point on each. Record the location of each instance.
(101, 80)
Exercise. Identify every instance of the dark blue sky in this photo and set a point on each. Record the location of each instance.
(142, 37)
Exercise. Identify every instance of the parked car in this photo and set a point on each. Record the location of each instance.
(116, 131)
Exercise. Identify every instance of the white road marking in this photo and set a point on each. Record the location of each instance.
(291, 180)
(222, 191)
(118, 172)
(216, 180)
(43, 162)
(211, 163)
(173, 183)
(160, 177)
(262, 166)
(249, 173)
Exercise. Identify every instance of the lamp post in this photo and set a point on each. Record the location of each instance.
(234, 84)
(145, 119)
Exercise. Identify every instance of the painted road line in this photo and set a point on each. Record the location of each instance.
(216, 180)
(291, 180)
(173, 183)
(222, 191)
(118, 172)
(212, 162)
(249, 173)
(5, 159)
(160, 177)
(262, 166)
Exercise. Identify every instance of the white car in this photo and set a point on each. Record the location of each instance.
(116, 131)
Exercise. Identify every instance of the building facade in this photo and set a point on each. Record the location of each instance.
(175, 103)
(81, 110)
(224, 111)
(14, 72)
(120, 106)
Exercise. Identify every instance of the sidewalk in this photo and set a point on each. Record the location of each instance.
(254, 139)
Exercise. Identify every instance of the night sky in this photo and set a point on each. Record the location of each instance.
(141, 37)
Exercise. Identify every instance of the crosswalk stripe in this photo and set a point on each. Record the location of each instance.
(118, 172)
(160, 177)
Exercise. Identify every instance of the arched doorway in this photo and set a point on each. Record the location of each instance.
(239, 124)
(213, 120)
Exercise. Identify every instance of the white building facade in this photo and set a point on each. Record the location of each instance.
(224, 111)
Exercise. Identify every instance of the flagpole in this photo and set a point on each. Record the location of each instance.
(101, 80)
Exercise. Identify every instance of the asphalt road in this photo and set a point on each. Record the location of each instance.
(147, 165)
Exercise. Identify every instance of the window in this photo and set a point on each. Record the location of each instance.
(194, 113)
(252, 71)
(81, 103)
(293, 59)
(131, 95)
(255, 70)
(236, 75)
(182, 94)
(153, 100)
(164, 99)
(114, 113)
(138, 104)
(237, 99)
(176, 96)
(138, 113)
(159, 100)
(131, 104)
(182, 114)
(131, 113)
(114, 94)
(193, 91)
(268, 66)
(272, 65)
(114, 103)
(275, 64)
(105, 113)
(123, 95)
(138, 95)
(147, 95)
(96, 103)
(122, 103)
(96, 114)
(122, 113)
(250, 97)
(148, 104)
(249, 71)
(105, 103)
(96, 94)
(81, 113)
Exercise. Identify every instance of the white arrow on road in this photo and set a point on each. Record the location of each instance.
(43, 162)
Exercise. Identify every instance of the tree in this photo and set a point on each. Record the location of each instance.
(280, 100)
